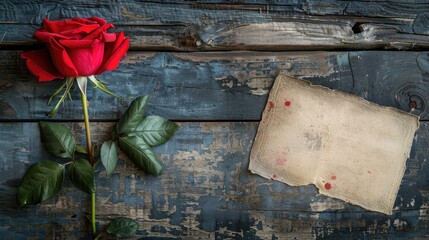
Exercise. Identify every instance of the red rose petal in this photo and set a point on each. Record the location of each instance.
(81, 46)
(91, 20)
(87, 59)
(98, 20)
(62, 60)
(68, 27)
(76, 43)
(110, 47)
(96, 33)
(120, 36)
(62, 25)
(81, 29)
(115, 53)
(42, 35)
(40, 64)
(109, 37)
(53, 26)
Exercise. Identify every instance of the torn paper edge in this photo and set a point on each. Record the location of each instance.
(256, 167)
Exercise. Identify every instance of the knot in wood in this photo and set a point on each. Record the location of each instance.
(190, 41)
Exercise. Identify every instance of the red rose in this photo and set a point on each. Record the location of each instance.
(76, 47)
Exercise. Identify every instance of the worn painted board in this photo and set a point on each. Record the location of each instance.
(25, 11)
(304, 33)
(191, 26)
(205, 192)
(222, 85)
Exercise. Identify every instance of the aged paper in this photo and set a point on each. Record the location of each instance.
(349, 148)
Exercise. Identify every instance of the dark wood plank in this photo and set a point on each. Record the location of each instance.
(135, 11)
(222, 85)
(187, 26)
(204, 192)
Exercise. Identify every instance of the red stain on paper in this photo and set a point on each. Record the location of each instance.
(281, 161)
(327, 186)
(270, 105)
(274, 176)
(287, 103)
(334, 177)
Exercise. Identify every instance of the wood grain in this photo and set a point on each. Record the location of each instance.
(222, 85)
(189, 56)
(204, 192)
(208, 25)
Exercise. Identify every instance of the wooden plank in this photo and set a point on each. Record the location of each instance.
(205, 192)
(196, 27)
(287, 33)
(222, 85)
(135, 11)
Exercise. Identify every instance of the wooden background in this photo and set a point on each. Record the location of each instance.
(209, 66)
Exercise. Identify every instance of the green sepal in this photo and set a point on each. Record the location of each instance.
(68, 84)
(57, 91)
(102, 86)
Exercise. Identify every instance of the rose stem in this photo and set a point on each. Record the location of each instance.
(90, 156)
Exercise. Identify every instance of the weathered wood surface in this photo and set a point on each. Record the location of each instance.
(211, 25)
(212, 86)
(205, 192)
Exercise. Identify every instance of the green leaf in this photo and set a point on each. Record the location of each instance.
(80, 149)
(81, 174)
(132, 117)
(141, 154)
(41, 182)
(155, 130)
(58, 139)
(109, 156)
(122, 227)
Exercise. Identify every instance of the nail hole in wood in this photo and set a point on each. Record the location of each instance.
(357, 28)
(416, 102)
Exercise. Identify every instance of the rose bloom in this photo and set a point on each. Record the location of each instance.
(76, 47)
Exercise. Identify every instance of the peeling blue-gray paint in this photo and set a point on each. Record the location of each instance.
(216, 214)
(252, 202)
